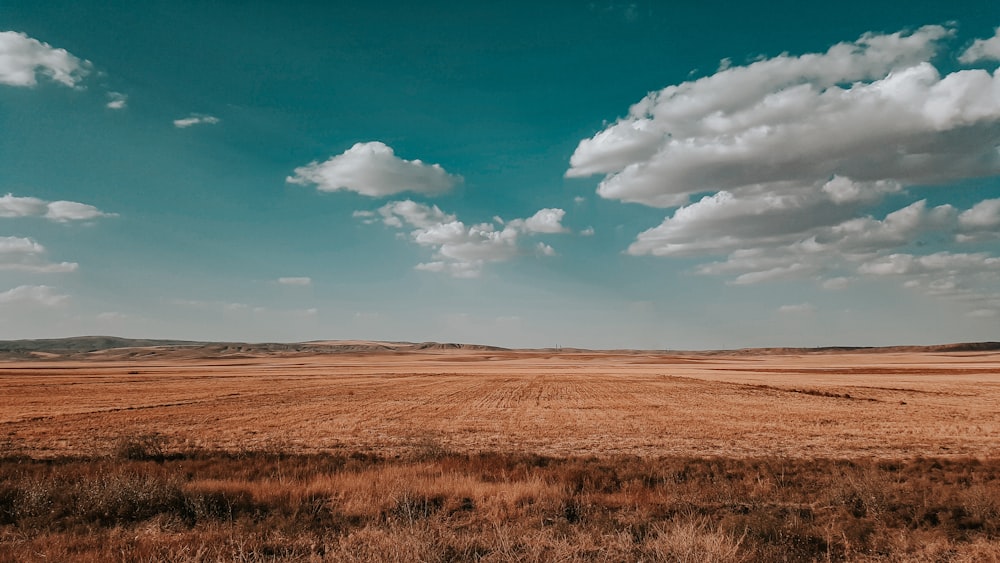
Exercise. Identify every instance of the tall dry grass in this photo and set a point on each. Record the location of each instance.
(444, 506)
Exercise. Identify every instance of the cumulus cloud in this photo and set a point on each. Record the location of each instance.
(969, 280)
(985, 215)
(297, 281)
(759, 215)
(789, 155)
(23, 58)
(544, 221)
(396, 213)
(117, 100)
(26, 255)
(462, 250)
(58, 211)
(544, 249)
(13, 206)
(827, 252)
(373, 169)
(19, 246)
(982, 50)
(871, 110)
(32, 295)
(195, 119)
(939, 262)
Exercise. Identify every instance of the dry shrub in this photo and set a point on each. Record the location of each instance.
(141, 447)
(492, 507)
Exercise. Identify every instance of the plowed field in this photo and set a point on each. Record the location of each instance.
(887, 405)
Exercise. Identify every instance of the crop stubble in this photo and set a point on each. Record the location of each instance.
(886, 405)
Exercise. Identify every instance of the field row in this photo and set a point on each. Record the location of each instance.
(845, 405)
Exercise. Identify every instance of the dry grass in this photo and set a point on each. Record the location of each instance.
(886, 405)
(492, 507)
(496, 456)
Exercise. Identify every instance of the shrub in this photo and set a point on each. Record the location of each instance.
(141, 447)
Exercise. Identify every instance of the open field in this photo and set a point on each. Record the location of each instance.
(392, 453)
(573, 403)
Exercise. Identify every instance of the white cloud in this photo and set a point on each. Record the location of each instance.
(588, 232)
(59, 211)
(195, 119)
(544, 249)
(866, 234)
(19, 246)
(751, 265)
(789, 119)
(765, 216)
(43, 268)
(462, 250)
(373, 169)
(784, 272)
(982, 216)
(65, 211)
(13, 206)
(789, 249)
(970, 279)
(117, 100)
(33, 295)
(544, 221)
(789, 155)
(912, 127)
(298, 281)
(903, 264)
(396, 213)
(23, 58)
(21, 254)
(465, 270)
(983, 49)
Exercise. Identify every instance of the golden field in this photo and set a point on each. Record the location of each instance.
(383, 452)
(551, 403)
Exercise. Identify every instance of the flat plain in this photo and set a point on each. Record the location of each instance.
(848, 404)
(389, 452)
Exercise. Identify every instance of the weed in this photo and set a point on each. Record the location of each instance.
(141, 447)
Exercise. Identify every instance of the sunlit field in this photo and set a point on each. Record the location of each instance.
(477, 454)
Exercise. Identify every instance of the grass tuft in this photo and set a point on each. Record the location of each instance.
(497, 507)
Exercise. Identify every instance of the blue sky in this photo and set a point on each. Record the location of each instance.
(575, 173)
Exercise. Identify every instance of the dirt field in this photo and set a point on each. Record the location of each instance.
(834, 405)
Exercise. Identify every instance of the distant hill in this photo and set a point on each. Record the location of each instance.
(112, 347)
(957, 347)
(85, 344)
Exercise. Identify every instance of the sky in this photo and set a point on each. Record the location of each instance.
(651, 175)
